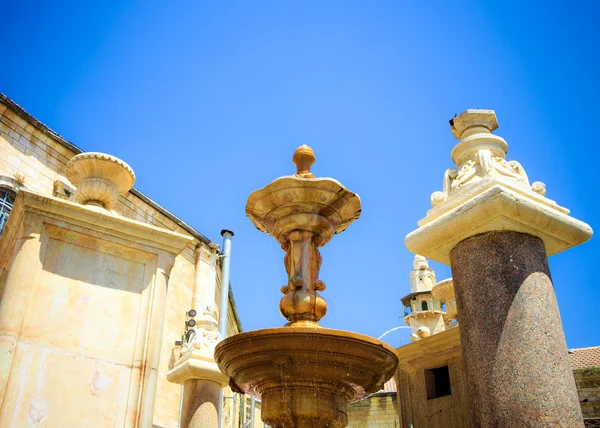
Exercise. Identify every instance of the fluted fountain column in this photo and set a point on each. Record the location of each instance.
(496, 231)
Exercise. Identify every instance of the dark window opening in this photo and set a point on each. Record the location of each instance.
(437, 382)
(424, 306)
(7, 199)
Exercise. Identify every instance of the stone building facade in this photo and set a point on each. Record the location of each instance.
(33, 161)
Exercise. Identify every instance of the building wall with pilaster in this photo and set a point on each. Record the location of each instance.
(35, 158)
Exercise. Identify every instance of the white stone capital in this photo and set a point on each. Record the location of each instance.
(486, 193)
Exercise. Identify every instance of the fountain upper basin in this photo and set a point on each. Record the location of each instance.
(305, 376)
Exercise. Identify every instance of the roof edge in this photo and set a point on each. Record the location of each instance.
(22, 113)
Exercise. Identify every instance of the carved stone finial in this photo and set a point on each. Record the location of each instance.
(484, 120)
(304, 157)
(479, 155)
(100, 179)
(303, 215)
(485, 192)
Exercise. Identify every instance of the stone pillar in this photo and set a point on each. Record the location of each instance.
(496, 231)
(201, 378)
(200, 404)
(196, 369)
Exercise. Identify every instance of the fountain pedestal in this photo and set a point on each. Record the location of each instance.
(304, 374)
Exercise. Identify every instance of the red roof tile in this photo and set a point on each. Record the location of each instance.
(582, 358)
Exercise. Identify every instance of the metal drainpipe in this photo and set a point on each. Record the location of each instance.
(227, 235)
(223, 310)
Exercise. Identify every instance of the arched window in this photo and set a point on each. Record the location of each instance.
(7, 199)
(423, 305)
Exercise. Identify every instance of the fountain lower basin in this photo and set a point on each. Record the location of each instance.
(305, 376)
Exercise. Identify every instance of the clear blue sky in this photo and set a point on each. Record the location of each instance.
(208, 100)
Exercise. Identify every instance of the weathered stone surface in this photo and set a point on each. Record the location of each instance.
(515, 353)
(200, 404)
(34, 158)
(450, 411)
(81, 315)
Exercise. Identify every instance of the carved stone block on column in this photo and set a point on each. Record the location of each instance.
(487, 193)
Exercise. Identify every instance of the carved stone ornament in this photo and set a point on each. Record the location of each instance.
(303, 213)
(486, 193)
(206, 334)
(480, 155)
(99, 178)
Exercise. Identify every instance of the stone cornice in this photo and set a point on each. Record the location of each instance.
(197, 365)
(494, 206)
(418, 354)
(107, 223)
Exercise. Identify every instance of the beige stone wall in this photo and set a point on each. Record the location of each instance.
(451, 411)
(588, 387)
(80, 315)
(443, 412)
(29, 154)
(377, 411)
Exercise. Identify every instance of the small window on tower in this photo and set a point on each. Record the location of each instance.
(437, 382)
(424, 306)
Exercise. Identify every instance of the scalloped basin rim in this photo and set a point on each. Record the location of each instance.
(324, 183)
(334, 333)
(324, 196)
(294, 357)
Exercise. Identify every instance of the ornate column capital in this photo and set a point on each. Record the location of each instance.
(485, 193)
(197, 354)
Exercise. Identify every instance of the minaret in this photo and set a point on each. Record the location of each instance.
(422, 311)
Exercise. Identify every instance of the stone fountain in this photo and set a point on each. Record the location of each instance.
(305, 374)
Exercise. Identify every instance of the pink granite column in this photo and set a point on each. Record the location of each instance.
(518, 368)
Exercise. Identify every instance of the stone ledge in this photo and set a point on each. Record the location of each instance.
(497, 207)
(110, 223)
(195, 365)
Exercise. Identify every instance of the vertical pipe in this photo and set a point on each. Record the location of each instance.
(223, 310)
(227, 235)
